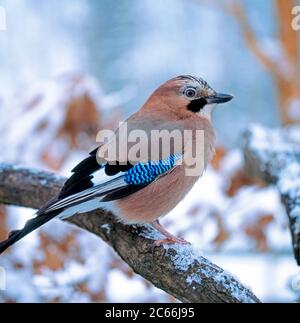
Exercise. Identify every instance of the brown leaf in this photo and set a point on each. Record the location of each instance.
(223, 234)
(256, 231)
(218, 157)
(239, 180)
(3, 224)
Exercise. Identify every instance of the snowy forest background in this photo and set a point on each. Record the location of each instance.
(69, 69)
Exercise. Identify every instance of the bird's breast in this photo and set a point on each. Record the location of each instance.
(161, 196)
(156, 199)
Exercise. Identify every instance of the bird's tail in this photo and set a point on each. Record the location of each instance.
(30, 225)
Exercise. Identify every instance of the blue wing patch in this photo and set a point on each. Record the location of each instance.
(109, 182)
(145, 173)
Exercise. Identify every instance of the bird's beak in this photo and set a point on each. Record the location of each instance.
(218, 98)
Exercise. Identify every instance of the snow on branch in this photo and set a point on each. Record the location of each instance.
(274, 156)
(179, 270)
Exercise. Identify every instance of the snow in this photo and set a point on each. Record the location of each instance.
(72, 273)
(295, 212)
(285, 143)
(90, 261)
(121, 288)
(58, 231)
(191, 219)
(237, 213)
(265, 273)
(106, 227)
(42, 109)
(264, 141)
(148, 232)
(183, 257)
(233, 288)
(19, 286)
(232, 162)
(193, 278)
(289, 180)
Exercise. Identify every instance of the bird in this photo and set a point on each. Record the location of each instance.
(144, 189)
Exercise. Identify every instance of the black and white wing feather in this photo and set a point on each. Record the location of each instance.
(90, 185)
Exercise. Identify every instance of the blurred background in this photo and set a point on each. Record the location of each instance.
(70, 68)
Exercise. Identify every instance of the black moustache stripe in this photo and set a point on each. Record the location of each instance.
(196, 105)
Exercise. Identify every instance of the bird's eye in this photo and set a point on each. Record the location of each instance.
(190, 92)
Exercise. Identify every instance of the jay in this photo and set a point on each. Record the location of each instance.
(141, 190)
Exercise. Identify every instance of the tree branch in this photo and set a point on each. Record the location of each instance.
(274, 156)
(238, 11)
(178, 270)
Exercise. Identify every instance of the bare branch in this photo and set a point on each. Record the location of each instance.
(238, 11)
(178, 270)
(274, 155)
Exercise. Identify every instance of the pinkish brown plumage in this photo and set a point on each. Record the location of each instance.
(161, 196)
(143, 187)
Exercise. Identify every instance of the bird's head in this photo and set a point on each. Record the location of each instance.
(191, 94)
